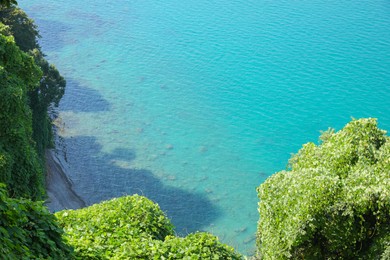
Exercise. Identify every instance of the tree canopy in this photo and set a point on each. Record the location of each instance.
(23, 28)
(20, 166)
(8, 3)
(333, 202)
(15, 22)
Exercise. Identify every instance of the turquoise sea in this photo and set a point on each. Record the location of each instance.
(195, 103)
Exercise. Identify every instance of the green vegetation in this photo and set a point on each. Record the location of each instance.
(134, 227)
(29, 85)
(21, 27)
(20, 166)
(51, 85)
(8, 2)
(29, 231)
(49, 92)
(333, 202)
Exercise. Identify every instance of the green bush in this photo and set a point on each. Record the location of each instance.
(29, 231)
(97, 231)
(333, 202)
(133, 227)
(194, 246)
(197, 246)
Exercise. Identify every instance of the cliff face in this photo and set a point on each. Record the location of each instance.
(59, 187)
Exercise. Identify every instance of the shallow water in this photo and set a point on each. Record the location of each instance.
(195, 103)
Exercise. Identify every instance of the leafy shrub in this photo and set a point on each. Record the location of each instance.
(29, 231)
(199, 245)
(333, 202)
(133, 227)
(97, 231)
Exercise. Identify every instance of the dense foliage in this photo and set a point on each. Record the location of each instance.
(22, 28)
(49, 92)
(29, 231)
(194, 246)
(333, 202)
(7, 2)
(29, 85)
(134, 227)
(51, 86)
(20, 166)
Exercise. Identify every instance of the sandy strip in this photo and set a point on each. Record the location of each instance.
(59, 187)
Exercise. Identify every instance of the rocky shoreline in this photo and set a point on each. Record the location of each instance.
(58, 186)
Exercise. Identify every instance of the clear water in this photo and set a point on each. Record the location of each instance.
(195, 103)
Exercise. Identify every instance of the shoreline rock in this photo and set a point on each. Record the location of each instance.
(58, 186)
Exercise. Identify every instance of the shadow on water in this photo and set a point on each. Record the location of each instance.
(53, 34)
(82, 99)
(100, 176)
(57, 34)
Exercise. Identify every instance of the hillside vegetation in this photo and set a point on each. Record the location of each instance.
(29, 85)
